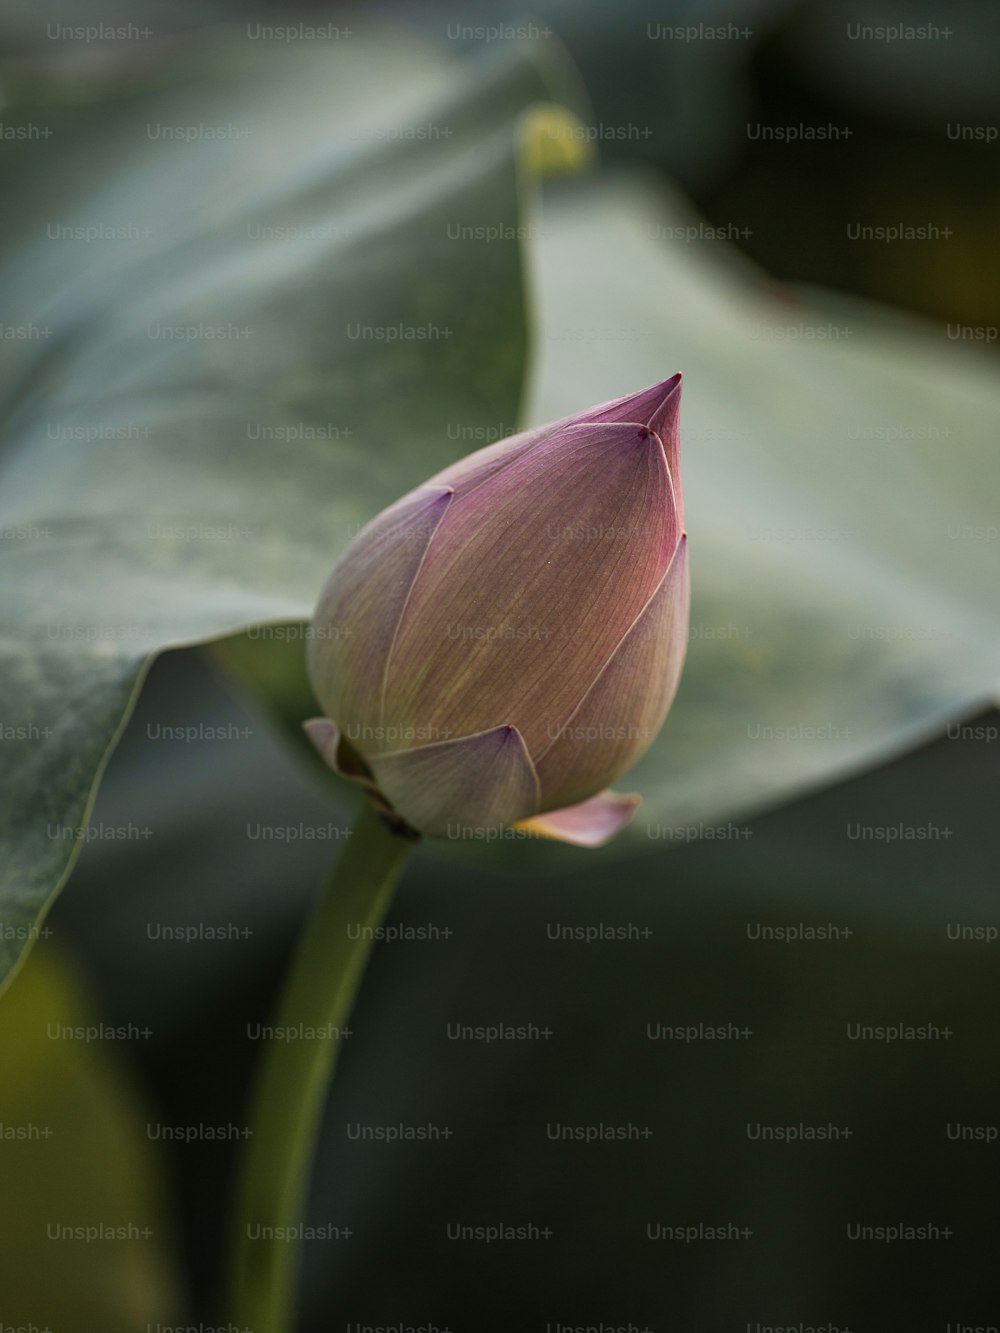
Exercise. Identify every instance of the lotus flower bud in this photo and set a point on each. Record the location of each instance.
(505, 640)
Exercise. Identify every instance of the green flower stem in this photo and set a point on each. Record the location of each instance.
(295, 1074)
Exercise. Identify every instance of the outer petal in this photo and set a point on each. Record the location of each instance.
(620, 715)
(458, 788)
(360, 608)
(474, 469)
(657, 407)
(531, 582)
(590, 824)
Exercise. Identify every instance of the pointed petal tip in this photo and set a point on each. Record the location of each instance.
(324, 736)
(592, 823)
(669, 387)
(656, 407)
(665, 404)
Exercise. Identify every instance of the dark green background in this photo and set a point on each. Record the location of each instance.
(599, 1066)
(794, 865)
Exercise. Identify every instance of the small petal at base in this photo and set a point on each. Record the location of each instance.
(592, 823)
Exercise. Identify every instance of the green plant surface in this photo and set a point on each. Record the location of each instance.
(86, 1242)
(162, 486)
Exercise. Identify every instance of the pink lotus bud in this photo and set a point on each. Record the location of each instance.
(505, 640)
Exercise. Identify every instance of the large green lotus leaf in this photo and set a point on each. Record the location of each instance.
(264, 310)
(841, 481)
(84, 1235)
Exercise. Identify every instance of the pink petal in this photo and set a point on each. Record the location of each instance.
(355, 624)
(590, 824)
(458, 788)
(475, 468)
(658, 408)
(536, 603)
(619, 717)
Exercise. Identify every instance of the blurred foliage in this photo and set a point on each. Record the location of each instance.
(284, 434)
(166, 486)
(902, 101)
(85, 1236)
(698, 899)
(767, 446)
(692, 100)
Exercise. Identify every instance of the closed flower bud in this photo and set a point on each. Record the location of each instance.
(503, 642)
